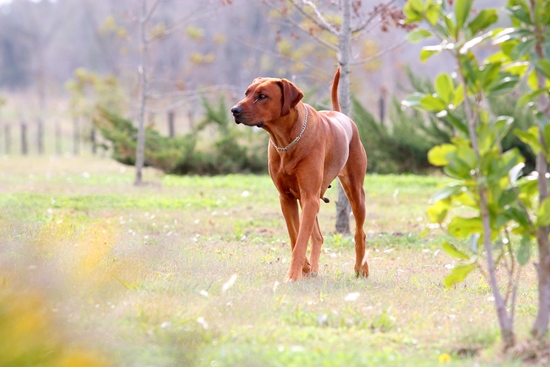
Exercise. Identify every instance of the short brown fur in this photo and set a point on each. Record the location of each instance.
(328, 148)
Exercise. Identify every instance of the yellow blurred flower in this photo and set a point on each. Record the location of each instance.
(444, 358)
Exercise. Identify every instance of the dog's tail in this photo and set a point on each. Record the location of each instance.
(334, 95)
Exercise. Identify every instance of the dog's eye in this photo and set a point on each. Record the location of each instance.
(262, 96)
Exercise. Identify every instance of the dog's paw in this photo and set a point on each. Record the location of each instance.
(290, 280)
(363, 271)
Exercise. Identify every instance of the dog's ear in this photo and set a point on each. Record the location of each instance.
(291, 96)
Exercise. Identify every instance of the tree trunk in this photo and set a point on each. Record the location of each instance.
(540, 325)
(343, 208)
(140, 148)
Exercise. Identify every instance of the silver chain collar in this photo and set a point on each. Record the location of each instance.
(293, 143)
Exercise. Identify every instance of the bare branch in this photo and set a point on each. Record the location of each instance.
(320, 21)
(373, 16)
(278, 55)
(148, 16)
(379, 53)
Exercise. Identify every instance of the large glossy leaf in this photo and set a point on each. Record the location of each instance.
(418, 35)
(438, 211)
(543, 66)
(454, 252)
(458, 274)
(447, 192)
(438, 154)
(464, 227)
(531, 138)
(432, 103)
(520, 13)
(444, 88)
(462, 12)
(543, 213)
(484, 19)
(429, 51)
(524, 251)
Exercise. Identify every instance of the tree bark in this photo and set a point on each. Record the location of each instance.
(343, 208)
(140, 147)
(540, 325)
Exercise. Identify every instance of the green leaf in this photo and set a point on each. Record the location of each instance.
(447, 192)
(543, 65)
(531, 138)
(418, 35)
(530, 97)
(444, 88)
(429, 51)
(454, 252)
(464, 227)
(520, 13)
(417, 5)
(522, 49)
(509, 34)
(458, 274)
(432, 103)
(484, 19)
(504, 85)
(458, 95)
(438, 211)
(517, 68)
(450, 24)
(413, 100)
(438, 154)
(457, 122)
(524, 251)
(432, 13)
(412, 15)
(462, 12)
(543, 213)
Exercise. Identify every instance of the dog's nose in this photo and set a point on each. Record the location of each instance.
(236, 110)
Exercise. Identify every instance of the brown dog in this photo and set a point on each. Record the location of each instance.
(307, 151)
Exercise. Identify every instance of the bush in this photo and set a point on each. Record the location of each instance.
(236, 150)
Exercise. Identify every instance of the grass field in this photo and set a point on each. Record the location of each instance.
(187, 271)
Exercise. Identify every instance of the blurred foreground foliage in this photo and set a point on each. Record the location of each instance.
(31, 338)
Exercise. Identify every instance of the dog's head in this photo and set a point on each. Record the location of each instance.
(266, 99)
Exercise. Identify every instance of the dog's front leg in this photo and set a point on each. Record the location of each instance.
(310, 208)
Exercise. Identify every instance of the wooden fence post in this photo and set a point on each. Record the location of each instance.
(24, 145)
(40, 136)
(57, 137)
(171, 131)
(93, 139)
(7, 141)
(76, 136)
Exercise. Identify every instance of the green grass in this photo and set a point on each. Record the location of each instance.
(139, 275)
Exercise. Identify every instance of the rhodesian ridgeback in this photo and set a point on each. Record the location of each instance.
(308, 149)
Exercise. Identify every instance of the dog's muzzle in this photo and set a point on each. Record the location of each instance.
(237, 111)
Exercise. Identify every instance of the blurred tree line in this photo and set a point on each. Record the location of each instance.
(202, 56)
